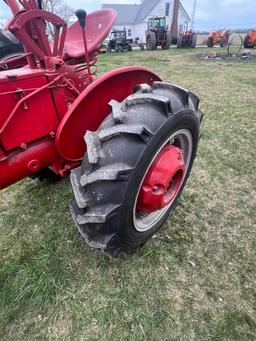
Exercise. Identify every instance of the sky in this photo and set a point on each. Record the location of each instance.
(209, 15)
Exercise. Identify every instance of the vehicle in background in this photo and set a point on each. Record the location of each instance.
(158, 34)
(220, 37)
(119, 42)
(250, 39)
(187, 39)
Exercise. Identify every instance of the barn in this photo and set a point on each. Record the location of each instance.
(134, 18)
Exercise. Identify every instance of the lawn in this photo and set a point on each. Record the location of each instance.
(196, 280)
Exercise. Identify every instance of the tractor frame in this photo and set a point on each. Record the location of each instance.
(48, 105)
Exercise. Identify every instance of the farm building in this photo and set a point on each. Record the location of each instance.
(134, 18)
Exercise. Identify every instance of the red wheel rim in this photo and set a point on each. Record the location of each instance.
(162, 181)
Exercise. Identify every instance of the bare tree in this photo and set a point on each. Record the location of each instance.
(60, 8)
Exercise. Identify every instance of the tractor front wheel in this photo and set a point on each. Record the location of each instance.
(151, 41)
(209, 42)
(136, 167)
(168, 41)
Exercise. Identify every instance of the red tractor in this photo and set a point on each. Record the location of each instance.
(187, 39)
(250, 40)
(158, 34)
(220, 37)
(128, 138)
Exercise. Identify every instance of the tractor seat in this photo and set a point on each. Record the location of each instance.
(98, 26)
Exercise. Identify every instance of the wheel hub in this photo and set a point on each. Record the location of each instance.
(162, 181)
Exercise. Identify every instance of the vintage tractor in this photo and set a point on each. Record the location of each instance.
(187, 39)
(158, 34)
(250, 40)
(220, 37)
(128, 138)
(119, 42)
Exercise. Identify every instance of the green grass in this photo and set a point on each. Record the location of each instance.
(195, 280)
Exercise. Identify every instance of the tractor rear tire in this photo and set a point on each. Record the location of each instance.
(246, 43)
(246, 46)
(119, 154)
(151, 41)
(168, 42)
(223, 42)
(209, 42)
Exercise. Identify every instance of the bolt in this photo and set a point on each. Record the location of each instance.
(155, 188)
(23, 146)
(158, 189)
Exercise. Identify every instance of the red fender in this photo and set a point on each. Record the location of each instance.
(91, 107)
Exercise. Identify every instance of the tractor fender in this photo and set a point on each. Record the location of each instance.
(91, 107)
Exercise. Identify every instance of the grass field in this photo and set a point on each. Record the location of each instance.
(196, 280)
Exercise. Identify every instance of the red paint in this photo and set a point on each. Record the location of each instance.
(98, 26)
(25, 120)
(48, 105)
(17, 165)
(163, 180)
(91, 107)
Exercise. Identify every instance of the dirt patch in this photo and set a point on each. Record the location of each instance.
(215, 56)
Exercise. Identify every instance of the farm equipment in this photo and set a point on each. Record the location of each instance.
(10, 48)
(218, 37)
(158, 34)
(250, 40)
(119, 42)
(128, 138)
(187, 39)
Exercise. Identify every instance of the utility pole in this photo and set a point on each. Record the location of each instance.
(193, 14)
(174, 26)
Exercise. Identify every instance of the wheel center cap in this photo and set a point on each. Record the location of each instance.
(162, 181)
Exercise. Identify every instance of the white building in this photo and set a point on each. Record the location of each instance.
(134, 18)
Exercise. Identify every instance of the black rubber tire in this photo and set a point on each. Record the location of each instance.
(168, 42)
(223, 42)
(129, 48)
(209, 42)
(246, 46)
(119, 49)
(118, 156)
(151, 41)
(246, 43)
(10, 56)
